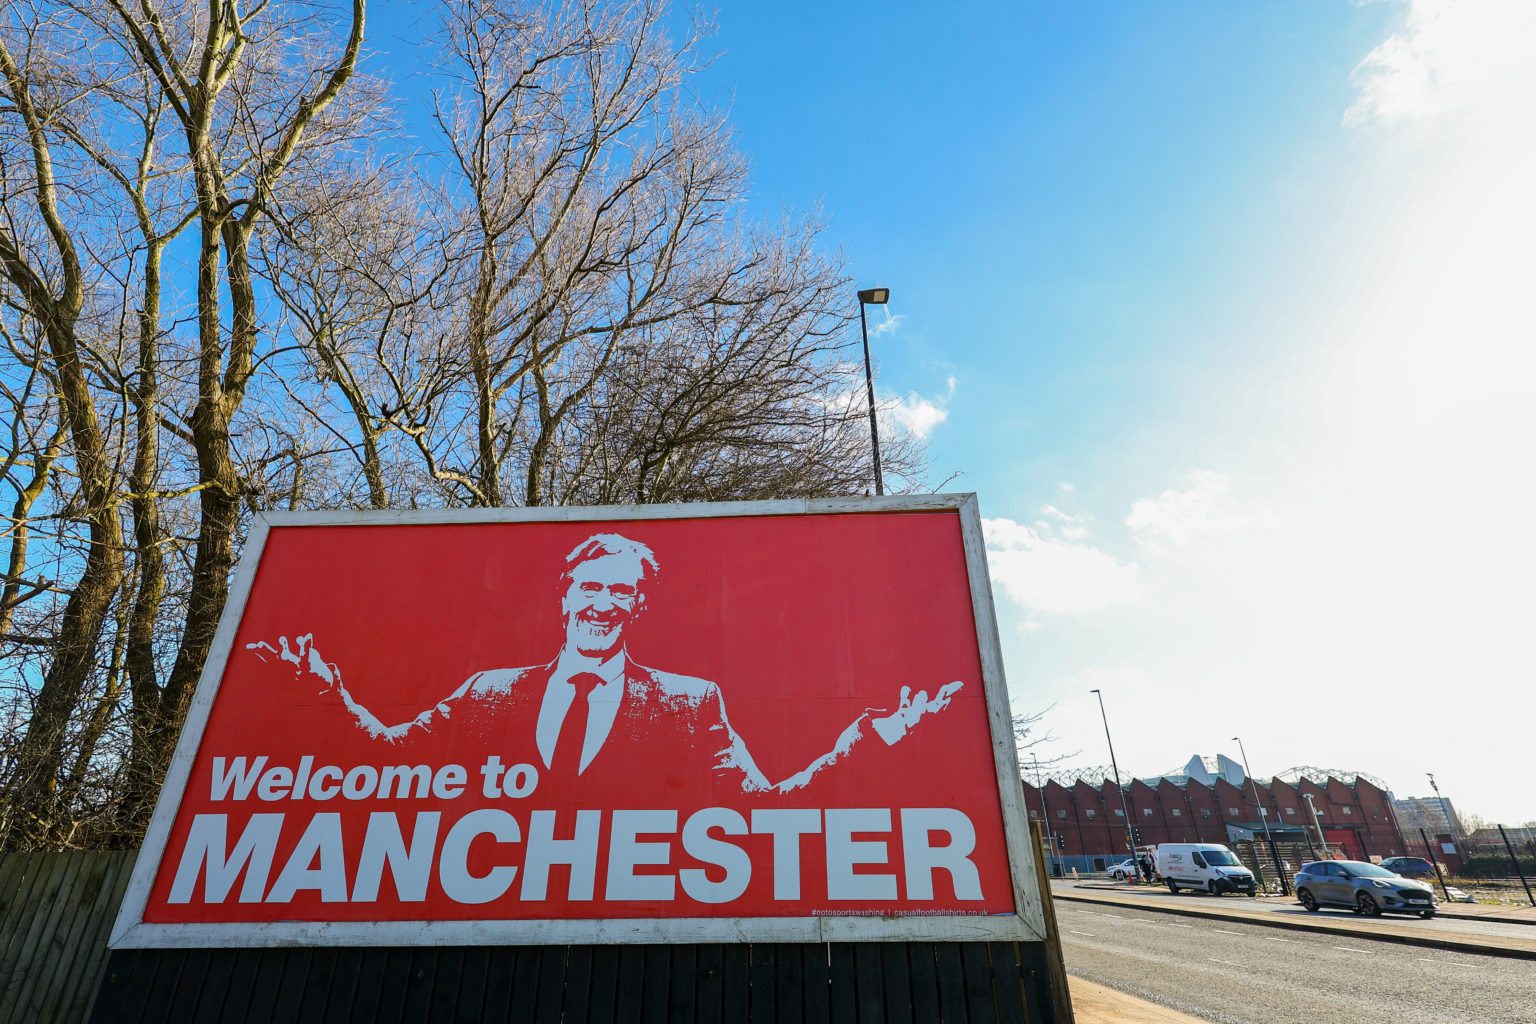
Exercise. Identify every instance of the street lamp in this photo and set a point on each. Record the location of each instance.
(1445, 809)
(1315, 824)
(1045, 811)
(1285, 890)
(872, 297)
(1125, 811)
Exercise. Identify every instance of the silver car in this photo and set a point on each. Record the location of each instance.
(1364, 888)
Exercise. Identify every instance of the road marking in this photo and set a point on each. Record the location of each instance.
(1445, 963)
(1229, 963)
(1351, 949)
(1172, 925)
(1074, 932)
(1117, 917)
(1226, 931)
(1272, 938)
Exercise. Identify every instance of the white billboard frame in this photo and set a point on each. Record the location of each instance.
(1026, 924)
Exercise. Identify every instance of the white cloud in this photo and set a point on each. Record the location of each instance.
(889, 325)
(1450, 57)
(1180, 518)
(917, 414)
(1045, 570)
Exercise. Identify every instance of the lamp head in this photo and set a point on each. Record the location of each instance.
(875, 296)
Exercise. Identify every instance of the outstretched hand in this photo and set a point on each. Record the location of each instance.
(894, 726)
(307, 662)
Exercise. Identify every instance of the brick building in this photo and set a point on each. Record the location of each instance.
(1212, 802)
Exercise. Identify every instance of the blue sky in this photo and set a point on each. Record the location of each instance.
(1200, 275)
(1222, 310)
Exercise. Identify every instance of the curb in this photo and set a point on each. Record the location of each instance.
(1440, 908)
(1270, 921)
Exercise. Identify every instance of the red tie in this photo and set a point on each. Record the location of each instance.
(573, 731)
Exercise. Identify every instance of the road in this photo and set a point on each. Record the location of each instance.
(1234, 973)
(1290, 909)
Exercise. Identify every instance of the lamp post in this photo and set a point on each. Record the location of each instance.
(872, 297)
(1445, 809)
(1285, 889)
(1125, 811)
(1045, 811)
(1313, 808)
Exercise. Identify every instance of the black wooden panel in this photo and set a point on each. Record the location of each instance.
(897, 982)
(979, 997)
(870, 984)
(925, 982)
(372, 971)
(343, 993)
(525, 984)
(603, 1006)
(297, 970)
(472, 978)
(710, 965)
(189, 987)
(1035, 972)
(951, 971)
(445, 984)
(1007, 982)
(214, 987)
(658, 985)
(498, 986)
(551, 996)
(879, 983)
(683, 979)
(843, 992)
(763, 958)
(815, 961)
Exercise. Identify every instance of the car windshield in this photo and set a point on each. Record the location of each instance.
(1219, 858)
(1364, 870)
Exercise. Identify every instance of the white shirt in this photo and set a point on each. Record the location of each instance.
(560, 694)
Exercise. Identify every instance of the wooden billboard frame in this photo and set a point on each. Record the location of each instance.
(1026, 924)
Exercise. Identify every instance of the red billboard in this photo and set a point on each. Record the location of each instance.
(770, 721)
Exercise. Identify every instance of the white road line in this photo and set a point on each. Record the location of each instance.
(1074, 932)
(1229, 963)
(1172, 925)
(1226, 931)
(1272, 938)
(1351, 949)
(1445, 963)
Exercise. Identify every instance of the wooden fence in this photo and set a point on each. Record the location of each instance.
(56, 911)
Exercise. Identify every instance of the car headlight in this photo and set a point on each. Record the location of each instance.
(1381, 883)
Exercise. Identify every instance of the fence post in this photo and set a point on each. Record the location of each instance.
(1516, 862)
(1435, 864)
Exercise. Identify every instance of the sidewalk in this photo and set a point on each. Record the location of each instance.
(1382, 928)
(1465, 911)
(1095, 1004)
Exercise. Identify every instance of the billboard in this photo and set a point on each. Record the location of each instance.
(768, 721)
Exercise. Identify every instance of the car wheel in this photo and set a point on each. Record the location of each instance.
(1213, 888)
(1119, 876)
(1307, 900)
(1367, 906)
(1173, 887)
(1426, 914)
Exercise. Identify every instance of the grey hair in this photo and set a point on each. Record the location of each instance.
(600, 545)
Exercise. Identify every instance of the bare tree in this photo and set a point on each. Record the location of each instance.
(225, 285)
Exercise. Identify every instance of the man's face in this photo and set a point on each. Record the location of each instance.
(603, 597)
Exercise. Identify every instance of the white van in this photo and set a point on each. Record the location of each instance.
(1207, 866)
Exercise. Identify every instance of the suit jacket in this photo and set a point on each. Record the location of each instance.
(667, 724)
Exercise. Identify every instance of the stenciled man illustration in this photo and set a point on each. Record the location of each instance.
(592, 710)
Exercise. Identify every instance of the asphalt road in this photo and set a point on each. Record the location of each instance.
(1234, 973)
(1289, 908)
